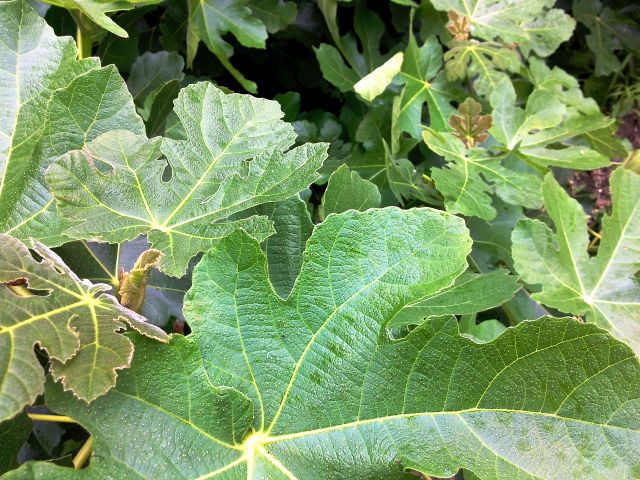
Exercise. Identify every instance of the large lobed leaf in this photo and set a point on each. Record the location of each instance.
(532, 24)
(488, 63)
(248, 20)
(317, 389)
(424, 83)
(605, 287)
(51, 104)
(72, 319)
(470, 176)
(119, 187)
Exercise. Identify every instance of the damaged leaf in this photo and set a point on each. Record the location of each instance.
(73, 320)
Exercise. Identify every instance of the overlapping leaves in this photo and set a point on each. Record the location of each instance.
(51, 104)
(542, 133)
(360, 59)
(609, 31)
(553, 130)
(188, 201)
(604, 288)
(107, 263)
(97, 10)
(532, 25)
(424, 83)
(248, 20)
(308, 387)
(471, 176)
(487, 63)
(44, 303)
(347, 190)
(471, 293)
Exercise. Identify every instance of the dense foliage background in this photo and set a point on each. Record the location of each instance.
(520, 117)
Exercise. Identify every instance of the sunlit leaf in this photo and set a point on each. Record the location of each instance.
(51, 104)
(556, 264)
(71, 319)
(318, 390)
(210, 178)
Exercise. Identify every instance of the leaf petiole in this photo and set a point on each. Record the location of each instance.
(41, 417)
(83, 34)
(83, 454)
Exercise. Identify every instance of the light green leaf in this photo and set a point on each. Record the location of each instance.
(210, 20)
(117, 187)
(542, 132)
(604, 288)
(334, 397)
(471, 293)
(97, 11)
(51, 104)
(561, 85)
(532, 24)
(483, 332)
(407, 3)
(566, 88)
(470, 176)
(72, 319)
(424, 82)
(375, 83)
(151, 71)
(604, 141)
(346, 190)
(485, 62)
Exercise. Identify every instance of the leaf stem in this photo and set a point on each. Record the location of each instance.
(83, 454)
(595, 234)
(41, 417)
(83, 34)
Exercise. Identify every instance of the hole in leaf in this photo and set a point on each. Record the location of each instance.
(20, 287)
(167, 173)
